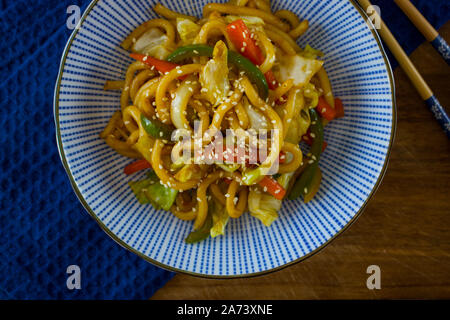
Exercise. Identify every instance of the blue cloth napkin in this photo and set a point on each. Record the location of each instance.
(43, 227)
(437, 12)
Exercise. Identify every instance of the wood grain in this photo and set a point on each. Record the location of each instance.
(405, 228)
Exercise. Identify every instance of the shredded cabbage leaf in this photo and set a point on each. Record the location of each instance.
(257, 119)
(298, 68)
(263, 206)
(152, 43)
(220, 217)
(187, 30)
(214, 76)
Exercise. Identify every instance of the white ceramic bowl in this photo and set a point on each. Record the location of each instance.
(352, 165)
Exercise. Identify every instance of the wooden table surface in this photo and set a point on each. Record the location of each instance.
(405, 229)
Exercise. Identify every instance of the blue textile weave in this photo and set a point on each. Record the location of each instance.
(43, 227)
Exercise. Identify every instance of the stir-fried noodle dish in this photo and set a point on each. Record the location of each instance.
(215, 110)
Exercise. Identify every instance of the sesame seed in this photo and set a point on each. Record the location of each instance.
(305, 190)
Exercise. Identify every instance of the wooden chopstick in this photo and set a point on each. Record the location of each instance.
(419, 83)
(425, 28)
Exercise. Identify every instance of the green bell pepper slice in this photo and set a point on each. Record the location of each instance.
(156, 129)
(243, 64)
(303, 185)
(202, 233)
(151, 191)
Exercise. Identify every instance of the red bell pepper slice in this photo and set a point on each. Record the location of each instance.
(241, 37)
(271, 81)
(160, 65)
(273, 187)
(136, 166)
(325, 110)
(339, 108)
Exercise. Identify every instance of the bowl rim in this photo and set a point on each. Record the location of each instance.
(196, 274)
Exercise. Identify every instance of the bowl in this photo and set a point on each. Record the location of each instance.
(353, 164)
